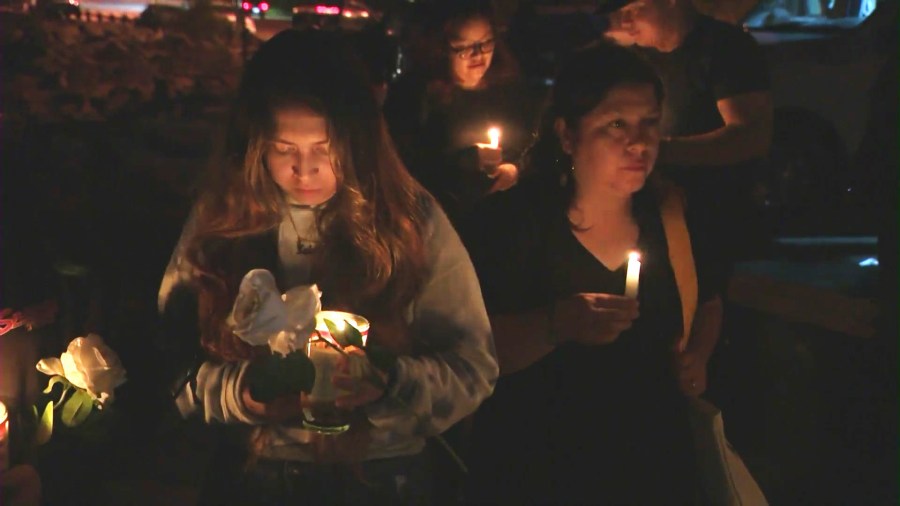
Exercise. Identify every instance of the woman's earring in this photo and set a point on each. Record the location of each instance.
(564, 177)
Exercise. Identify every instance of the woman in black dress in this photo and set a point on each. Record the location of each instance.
(592, 404)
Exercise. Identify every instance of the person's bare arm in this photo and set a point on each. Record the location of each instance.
(588, 318)
(747, 134)
(690, 364)
(521, 339)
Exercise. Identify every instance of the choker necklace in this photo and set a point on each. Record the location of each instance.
(304, 247)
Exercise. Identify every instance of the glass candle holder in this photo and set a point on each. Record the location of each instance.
(4, 437)
(324, 350)
(340, 320)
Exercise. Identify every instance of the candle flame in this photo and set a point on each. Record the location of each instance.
(634, 256)
(494, 136)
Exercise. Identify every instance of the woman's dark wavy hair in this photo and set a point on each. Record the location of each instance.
(583, 81)
(444, 18)
(372, 258)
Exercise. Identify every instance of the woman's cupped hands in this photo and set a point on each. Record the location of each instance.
(357, 382)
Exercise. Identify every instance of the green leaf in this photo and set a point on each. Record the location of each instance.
(77, 408)
(45, 426)
(337, 335)
(54, 380)
(348, 336)
(352, 335)
(64, 395)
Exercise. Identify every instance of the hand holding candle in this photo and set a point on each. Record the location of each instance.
(490, 154)
(632, 275)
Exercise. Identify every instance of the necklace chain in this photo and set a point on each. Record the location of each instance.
(303, 247)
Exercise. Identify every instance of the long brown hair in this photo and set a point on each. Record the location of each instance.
(372, 256)
(444, 20)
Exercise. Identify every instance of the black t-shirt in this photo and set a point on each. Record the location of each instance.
(716, 61)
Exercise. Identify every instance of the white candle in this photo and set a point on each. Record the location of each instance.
(4, 437)
(632, 275)
(493, 134)
(325, 359)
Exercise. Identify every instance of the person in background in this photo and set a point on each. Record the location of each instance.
(310, 188)
(463, 83)
(716, 122)
(592, 404)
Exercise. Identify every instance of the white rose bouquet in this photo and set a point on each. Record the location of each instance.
(88, 371)
(262, 316)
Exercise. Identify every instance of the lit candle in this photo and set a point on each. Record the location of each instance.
(340, 319)
(493, 134)
(4, 437)
(632, 275)
(489, 154)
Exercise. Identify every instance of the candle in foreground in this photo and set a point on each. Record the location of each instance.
(340, 319)
(493, 134)
(633, 274)
(4, 437)
(325, 359)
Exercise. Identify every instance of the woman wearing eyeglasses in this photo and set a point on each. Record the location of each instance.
(463, 83)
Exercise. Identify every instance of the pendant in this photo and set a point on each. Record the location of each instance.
(305, 247)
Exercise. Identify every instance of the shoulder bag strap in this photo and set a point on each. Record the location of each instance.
(681, 256)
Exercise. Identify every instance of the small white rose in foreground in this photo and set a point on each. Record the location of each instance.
(89, 364)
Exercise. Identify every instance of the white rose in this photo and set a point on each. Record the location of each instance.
(89, 364)
(286, 342)
(302, 304)
(258, 312)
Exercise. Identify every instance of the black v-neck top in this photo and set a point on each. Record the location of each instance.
(585, 423)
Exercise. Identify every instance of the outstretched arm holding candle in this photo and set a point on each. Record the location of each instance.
(585, 318)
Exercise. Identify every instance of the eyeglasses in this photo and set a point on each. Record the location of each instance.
(466, 52)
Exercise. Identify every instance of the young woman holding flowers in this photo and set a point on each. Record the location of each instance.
(310, 188)
(593, 404)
